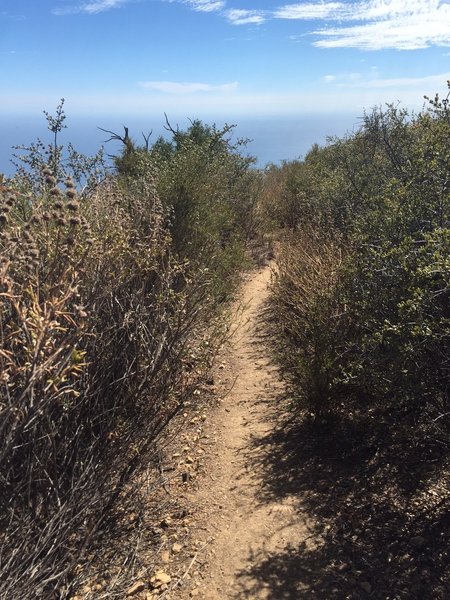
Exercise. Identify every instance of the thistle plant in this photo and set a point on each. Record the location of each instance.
(57, 160)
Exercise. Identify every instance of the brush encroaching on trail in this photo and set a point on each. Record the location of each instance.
(244, 522)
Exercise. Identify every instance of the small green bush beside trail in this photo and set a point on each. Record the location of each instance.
(106, 290)
(210, 193)
(362, 292)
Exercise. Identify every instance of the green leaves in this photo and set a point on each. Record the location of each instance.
(383, 194)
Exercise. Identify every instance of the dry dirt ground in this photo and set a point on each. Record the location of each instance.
(240, 523)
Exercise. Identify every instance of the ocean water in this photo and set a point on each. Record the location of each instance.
(272, 139)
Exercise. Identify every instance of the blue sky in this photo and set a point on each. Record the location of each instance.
(214, 58)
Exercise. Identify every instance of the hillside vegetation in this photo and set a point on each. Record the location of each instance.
(364, 272)
(361, 312)
(113, 282)
(110, 284)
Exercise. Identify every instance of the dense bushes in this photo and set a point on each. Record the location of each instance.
(210, 193)
(363, 281)
(308, 272)
(104, 295)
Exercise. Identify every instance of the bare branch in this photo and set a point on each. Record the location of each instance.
(147, 138)
(126, 140)
(168, 127)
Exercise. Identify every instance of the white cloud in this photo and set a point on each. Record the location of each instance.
(174, 87)
(245, 17)
(406, 32)
(378, 24)
(362, 24)
(310, 10)
(91, 8)
(101, 5)
(205, 5)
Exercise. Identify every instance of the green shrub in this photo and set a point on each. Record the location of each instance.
(210, 194)
(376, 333)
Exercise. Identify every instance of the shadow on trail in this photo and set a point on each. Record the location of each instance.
(377, 500)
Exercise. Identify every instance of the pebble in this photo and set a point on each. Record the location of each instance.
(160, 578)
(137, 587)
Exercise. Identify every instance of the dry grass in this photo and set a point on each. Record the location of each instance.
(309, 315)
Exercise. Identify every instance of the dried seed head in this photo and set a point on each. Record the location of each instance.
(55, 191)
(74, 221)
(47, 171)
(46, 216)
(71, 193)
(70, 240)
(3, 218)
(50, 180)
(33, 253)
(69, 182)
(28, 237)
(85, 225)
(36, 219)
(10, 201)
(58, 204)
(89, 241)
(61, 221)
(73, 206)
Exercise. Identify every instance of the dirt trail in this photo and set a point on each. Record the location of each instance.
(244, 525)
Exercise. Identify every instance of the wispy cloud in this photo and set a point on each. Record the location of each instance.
(362, 24)
(245, 17)
(91, 8)
(376, 24)
(174, 87)
(310, 10)
(205, 5)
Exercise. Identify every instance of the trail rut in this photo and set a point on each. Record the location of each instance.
(243, 524)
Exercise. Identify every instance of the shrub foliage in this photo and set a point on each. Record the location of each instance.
(362, 292)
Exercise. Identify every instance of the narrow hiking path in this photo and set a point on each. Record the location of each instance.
(244, 522)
